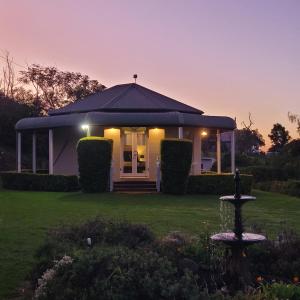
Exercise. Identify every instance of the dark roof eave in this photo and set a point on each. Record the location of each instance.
(127, 119)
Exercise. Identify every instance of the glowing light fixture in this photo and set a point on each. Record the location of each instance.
(86, 128)
(204, 133)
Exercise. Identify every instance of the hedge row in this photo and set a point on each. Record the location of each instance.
(94, 161)
(290, 187)
(215, 184)
(176, 159)
(39, 182)
(265, 173)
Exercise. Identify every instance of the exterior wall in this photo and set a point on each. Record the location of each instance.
(115, 135)
(65, 141)
(171, 132)
(155, 136)
(197, 153)
(64, 149)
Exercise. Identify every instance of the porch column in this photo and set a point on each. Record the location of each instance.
(218, 152)
(180, 132)
(50, 151)
(34, 153)
(19, 154)
(233, 151)
(197, 152)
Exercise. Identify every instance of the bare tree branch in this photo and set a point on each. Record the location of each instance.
(248, 127)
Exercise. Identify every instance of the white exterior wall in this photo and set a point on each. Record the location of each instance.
(64, 150)
(66, 139)
(155, 137)
(115, 135)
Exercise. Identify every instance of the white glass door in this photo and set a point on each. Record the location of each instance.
(134, 153)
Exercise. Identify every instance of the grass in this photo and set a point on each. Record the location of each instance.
(26, 216)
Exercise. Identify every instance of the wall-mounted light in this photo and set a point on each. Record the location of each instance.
(86, 128)
(204, 133)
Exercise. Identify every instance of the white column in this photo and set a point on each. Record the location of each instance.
(19, 153)
(111, 177)
(180, 132)
(34, 153)
(50, 151)
(232, 151)
(158, 175)
(197, 152)
(218, 152)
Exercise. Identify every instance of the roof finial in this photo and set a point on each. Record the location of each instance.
(135, 77)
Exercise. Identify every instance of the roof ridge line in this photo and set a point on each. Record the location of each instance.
(115, 99)
(142, 92)
(173, 100)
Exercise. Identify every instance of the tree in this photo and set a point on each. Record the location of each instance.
(279, 137)
(248, 141)
(54, 88)
(294, 118)
(7, 80)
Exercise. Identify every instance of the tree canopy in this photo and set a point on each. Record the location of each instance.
(54, 88)
(279, 137)
(294, 118)
(248, 141)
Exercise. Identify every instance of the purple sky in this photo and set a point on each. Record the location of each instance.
(224, 57)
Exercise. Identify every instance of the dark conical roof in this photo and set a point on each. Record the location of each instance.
(126, 98)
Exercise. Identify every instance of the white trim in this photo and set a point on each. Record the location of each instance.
(219, 170)
(197, 152)
(180, 132)
(19, 152)
(50, 151)
(34, 153)
(233, 151)
(134, 173)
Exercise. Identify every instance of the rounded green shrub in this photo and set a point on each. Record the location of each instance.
(94, 161)
(176, 160)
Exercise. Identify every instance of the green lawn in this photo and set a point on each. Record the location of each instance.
(26, 216)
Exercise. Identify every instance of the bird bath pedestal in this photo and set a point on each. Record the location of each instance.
(237, 272)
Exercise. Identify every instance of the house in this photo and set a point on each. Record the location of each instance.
(136, 119)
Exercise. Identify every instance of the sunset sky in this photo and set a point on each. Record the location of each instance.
(224, 57)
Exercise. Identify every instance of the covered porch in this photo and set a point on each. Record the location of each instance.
(136, 119)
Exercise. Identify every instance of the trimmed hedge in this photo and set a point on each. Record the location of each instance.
(39, 182)
(94, 161)
(176, 159)
(265, 173)
(217, 184)
(290, 187)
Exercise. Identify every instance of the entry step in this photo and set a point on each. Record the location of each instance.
(135, 186)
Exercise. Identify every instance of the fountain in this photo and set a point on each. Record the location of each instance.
(237, 274)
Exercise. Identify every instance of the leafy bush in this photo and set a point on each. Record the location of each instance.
(176, 159)
(103, 231)
(39, 182)
(217, 184)
(280, 291)
(265, 173)
(174, 267)
(276, 259)
(290, 187)
(121, 274)
(94, 160)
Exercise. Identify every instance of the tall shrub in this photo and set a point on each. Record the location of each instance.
(94, 160)
(176, 159)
